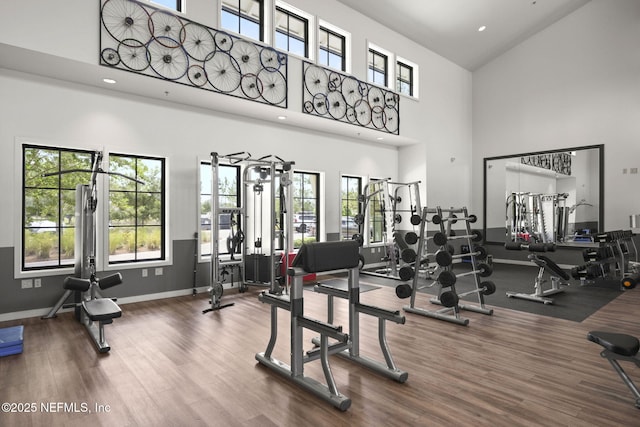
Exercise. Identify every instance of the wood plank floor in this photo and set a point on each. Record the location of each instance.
(170, 365)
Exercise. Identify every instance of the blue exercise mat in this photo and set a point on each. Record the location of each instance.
(11, 340)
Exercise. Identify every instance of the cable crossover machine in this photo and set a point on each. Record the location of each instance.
(259, 227)
(91, 309)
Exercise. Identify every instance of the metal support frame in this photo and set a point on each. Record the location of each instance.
(540, 294)
(265, 174)
(352, 351)
(294, 303)
(449, 314)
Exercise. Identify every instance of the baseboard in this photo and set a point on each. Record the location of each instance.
(25, 314)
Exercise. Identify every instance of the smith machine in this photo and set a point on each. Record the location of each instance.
(91, 309)
(259, 227)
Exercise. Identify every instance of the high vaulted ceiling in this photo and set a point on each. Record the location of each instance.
(450, 27)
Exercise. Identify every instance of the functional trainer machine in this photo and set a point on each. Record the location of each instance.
(91, 309)
(619, 347)
(316, 258)
(558, 276)
(257, 227)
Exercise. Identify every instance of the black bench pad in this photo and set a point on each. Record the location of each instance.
(621, 344)
(555, 267)
(101, 309)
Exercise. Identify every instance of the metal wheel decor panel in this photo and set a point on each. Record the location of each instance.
(142, 39)
(346, 99)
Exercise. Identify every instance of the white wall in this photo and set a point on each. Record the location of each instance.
(82, 116)
(576, 83)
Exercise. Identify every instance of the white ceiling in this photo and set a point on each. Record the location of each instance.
(450, 27)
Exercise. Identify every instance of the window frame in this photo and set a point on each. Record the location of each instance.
(415, 87)
(206, 257)
(316, 200)
(371, 219)
(163, 212)
(359, 180)
(240, 15)
(346, 45)
(301, 15)
(21, 258)
(375, 51)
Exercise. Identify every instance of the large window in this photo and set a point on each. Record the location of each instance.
(351, 189)
(228, 197)
(48, 203)
(377, 67)
(135, 222)
(305, 191)
(136, 209)
(245, 17)
(331, 49)
(292, 32)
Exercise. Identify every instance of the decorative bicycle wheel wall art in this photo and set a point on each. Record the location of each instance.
(142, 39)
(346, 99)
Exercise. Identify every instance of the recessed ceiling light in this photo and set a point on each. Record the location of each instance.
(481, 29)
(379, 138)
(282, 117)
(109, 81)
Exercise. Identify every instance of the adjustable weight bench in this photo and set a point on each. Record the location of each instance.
(558, 276)
(619, 347)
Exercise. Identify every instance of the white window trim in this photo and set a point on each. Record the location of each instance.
(102, 243)
(347, 42)
(416, 80)
(312, 27)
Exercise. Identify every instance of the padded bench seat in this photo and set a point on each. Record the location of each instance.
(101, 309)
(622, 344)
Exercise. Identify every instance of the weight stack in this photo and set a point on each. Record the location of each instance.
(257, 268)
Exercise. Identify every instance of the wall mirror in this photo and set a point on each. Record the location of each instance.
(545, 197)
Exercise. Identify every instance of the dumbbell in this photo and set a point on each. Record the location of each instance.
(445, 258)
(441, 239)
(437, 219)
(449, 278)
(409, 255)
(631, 281)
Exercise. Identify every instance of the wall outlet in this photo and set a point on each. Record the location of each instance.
(145, 272)
(37, 282)
(159, 271)
(27, 283)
